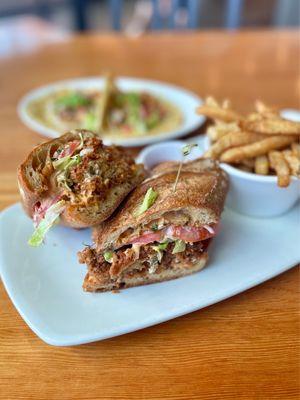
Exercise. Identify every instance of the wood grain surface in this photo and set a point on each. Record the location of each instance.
(246, 347)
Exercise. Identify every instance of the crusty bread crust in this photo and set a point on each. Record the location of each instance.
(200, 193)
(93, 283)
(34, 186)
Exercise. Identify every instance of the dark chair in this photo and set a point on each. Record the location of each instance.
(181, 14)
(189, 10)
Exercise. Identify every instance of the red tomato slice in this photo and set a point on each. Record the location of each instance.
(147, 237)
(69, 149)
(190, 233)
(186, 233)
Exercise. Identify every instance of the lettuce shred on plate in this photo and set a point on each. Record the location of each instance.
(51, 218)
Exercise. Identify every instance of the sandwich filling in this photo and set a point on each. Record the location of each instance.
(172, 247)
(82, 173)
(85, 171)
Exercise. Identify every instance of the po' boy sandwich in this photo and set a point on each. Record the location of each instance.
(161, 231)
(77, 179)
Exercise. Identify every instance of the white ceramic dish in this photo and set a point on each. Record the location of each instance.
(258, 195)
(185, 100)
(45, 283)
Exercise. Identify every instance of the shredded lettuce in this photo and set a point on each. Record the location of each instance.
(63, 165)
(159, 254)
(108, 255)
(51, 218)
(81, 141)
(179, 246)
(67, 162)
(163, 246)
(159, 250)
(148, 201)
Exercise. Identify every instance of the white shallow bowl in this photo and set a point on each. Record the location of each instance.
(258, 195)
(185, 100)
(45, 283)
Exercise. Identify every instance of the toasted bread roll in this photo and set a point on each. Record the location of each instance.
(91, 179)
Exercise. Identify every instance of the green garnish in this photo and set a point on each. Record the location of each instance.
(131, 102)
(163, 246)
(73, 100)
(153, 120)
(148, 201)
(50, 219)
(179, 246)
(185, 152)
(108, 256)
(154, 227)
(188, 148)
(91, 122)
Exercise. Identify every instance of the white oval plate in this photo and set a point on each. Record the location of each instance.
(185, 100)
(45, 283)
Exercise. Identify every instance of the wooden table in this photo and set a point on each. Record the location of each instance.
(245, 347)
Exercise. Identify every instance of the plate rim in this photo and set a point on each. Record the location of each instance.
(43, 130)
(57, 339)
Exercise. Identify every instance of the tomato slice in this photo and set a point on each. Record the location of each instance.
(69, 149)
(147, 237)
(190, 233)
(186, 233)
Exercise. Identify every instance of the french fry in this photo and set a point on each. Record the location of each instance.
(293, 161)
(212, 133)
(270, 126)
(213, 110)
(232, 139)
(211, 102)
(278, 163)
(253, 143)
(296, 149)
(259, 148)
(220, 129)
(261, 165)
(265, 110)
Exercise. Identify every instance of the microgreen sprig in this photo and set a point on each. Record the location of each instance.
(185, 151)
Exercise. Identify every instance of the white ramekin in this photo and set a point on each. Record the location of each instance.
(249, 194)
(258, 195)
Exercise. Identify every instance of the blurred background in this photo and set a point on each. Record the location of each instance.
(134, 17)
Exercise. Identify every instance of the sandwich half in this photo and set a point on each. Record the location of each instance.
(160, 232)
(77, 179)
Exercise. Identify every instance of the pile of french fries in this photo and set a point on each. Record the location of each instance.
(262, 142)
